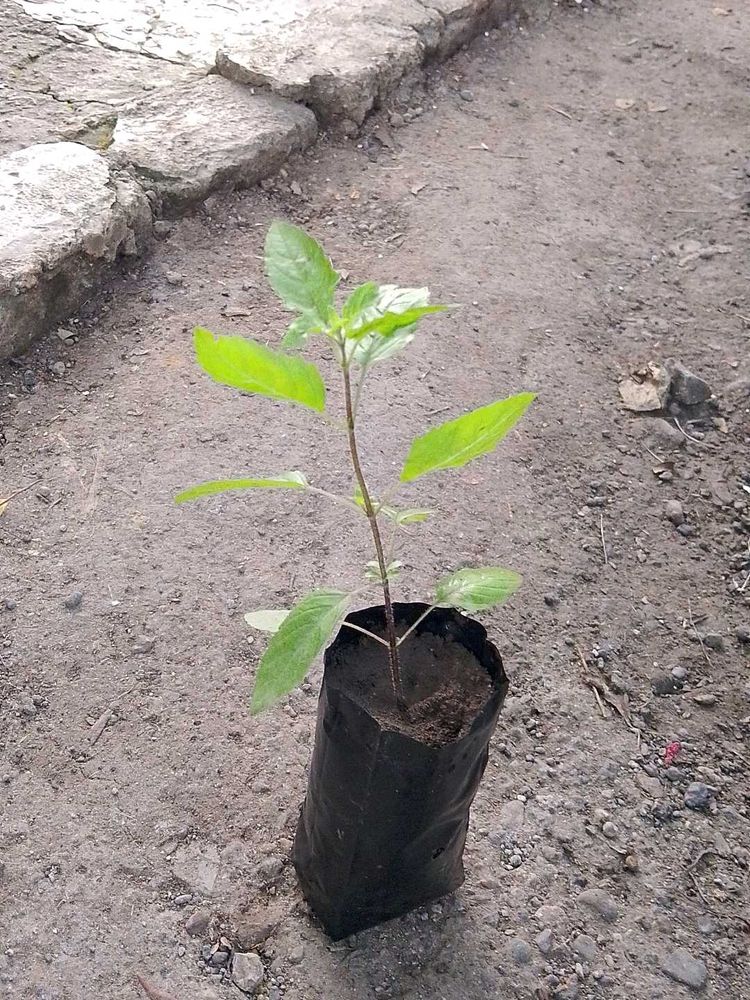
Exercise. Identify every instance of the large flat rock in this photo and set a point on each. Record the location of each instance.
(65, 217)
(339, 58)
(185, 142)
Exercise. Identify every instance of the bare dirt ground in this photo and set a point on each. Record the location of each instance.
(532, 190)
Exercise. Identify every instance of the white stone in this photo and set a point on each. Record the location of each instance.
(64, 218)
(186, 141)
(247, 972)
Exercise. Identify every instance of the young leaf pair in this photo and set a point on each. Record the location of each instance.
(374, 322)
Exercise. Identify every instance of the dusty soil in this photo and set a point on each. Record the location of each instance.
(548, 205)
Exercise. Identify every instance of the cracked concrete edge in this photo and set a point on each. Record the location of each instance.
(45, 277)
(349, 79)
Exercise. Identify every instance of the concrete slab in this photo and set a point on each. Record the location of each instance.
(340, 58)
(65, 217)
(185, 142)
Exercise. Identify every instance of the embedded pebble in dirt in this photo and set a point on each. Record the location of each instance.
(607, 856)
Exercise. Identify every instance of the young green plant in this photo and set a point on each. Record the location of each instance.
(373, 323)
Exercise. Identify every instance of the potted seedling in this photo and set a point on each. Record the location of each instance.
(411, 692)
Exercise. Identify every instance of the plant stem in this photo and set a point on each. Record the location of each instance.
(390, 624)
(419, 621)
(364, 631)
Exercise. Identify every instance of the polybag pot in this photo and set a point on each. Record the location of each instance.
(383, 825)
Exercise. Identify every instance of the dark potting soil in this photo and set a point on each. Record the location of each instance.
(444, 684)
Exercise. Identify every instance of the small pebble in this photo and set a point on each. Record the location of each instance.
(466, 95)
(545, 940)
(552, 599)
(681, 966)
(715, 641)
(521, 951)
(609, 830)
(601, 902)
(679, 673)
(743, 635)
(173, 278)
(686, 530)
(9, 604)
(673, 511)
(73, 601)
(698, 796)
(585, 946)
(143, 644)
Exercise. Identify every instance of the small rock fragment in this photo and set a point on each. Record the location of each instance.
(609, 830)
(173, 278)
(520, 951)
(742, 633)
(197, 923)
(681, 966)
(247, 972)
(698, 796)
(466, 95)
(585, 946)
(601, 902)
(685, 387)
(73, 601)
(715, 641)
(545, 940)
(552, 599)
(143, 644)
(673, 511)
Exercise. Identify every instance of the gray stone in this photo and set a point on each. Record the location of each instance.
(520, 951)
(673, 511)
(66, 218)
(679, 673)
(743, 635)
(609, 830)
(190, 140)
(698, 796)
(509, 823)
(715, 641)
(682, 967)
(686, 388)
(197, 923)
(662, 435)
(143, 644)
(247, 972)
(545, 940)
(550, 915)
(197, 866)
(601, 902)
(585, 946)
(73, 601)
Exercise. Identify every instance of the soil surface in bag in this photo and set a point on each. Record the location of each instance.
(383, 826)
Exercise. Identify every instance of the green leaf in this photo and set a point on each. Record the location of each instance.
(300, 638)
(387, 324)
(266, 621)
(299, 271)
(391, 299)
(411, 515)
(457, 442)
(358, 303)
(477, 589)
(298, 332)
(392, 570)
(251, 367)
(284, 481)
